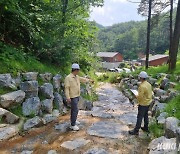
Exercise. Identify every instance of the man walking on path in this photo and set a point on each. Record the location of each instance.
(144, 98)
(72, 92)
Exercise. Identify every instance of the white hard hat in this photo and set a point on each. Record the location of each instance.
(75, 66)
(143, 75)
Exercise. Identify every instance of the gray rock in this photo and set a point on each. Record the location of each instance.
(96, 151)
(47, 118)
(165, 84)
(172, 84)
(12, 98)
(129, 118)
(47, 105)
(55, 113)
(162, 118)
(159, 92)
(62, 127)
(47, 90)
(17, 80)
(58, 101)
(108, 129)
(8, 117)
(46, 77)
(31, 106)
(26, 152)
(77, 143)
(152, 81)
(57, 82)
(178, 78)
(85, 104)
(34, 122)
(7, 81)
(30, 76)
(8, 132)
(52, 152)
(164, 98)
(134, 81)
(178, 138)
(162, 145)
(171, 125)
(30, 88)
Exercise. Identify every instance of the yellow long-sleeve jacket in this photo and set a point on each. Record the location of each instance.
(72, 85)
(144, 94)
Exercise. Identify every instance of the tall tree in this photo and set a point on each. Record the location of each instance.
(170, 27)
(148, 34)
(175, 41)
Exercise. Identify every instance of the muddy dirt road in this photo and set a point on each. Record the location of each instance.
(104, 130)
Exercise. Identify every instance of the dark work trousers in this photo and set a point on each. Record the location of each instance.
(142, 113)
(74, 110)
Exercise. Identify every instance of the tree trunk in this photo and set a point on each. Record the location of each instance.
(170, 29)
(175, 40)
(64, 10)
(148, 34)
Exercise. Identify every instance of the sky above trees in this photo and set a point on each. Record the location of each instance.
(115, 11)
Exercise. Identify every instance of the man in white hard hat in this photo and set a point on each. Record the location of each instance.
(72, 92)
(144, 98)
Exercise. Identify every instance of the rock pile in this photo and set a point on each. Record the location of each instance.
(39, 97)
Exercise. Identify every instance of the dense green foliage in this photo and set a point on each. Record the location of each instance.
(50, 30)
(129, 38)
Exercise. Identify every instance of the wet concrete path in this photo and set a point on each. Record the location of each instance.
(104, 130)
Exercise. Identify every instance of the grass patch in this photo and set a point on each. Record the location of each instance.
(173, 107)
(93, 97)
(156, 129)
(17, 110)
(4, 90)
(112, 77)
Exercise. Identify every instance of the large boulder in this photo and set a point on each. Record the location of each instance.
(30, 76)
(159, 92)
(8, 117)
(46, 90)
(47, 118)
(31, 106)
(165, 83)
(47, 105)
(162, 145)
(57, 82)
(58, 101)
(34, 122)
(162, 118)
(12, 99)
(30, 88)
(7, 131)
(171, 125)
(7, 81)
(46, 77)
(85, 104)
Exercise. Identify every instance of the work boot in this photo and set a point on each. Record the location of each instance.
(134, 132)
(145, 129)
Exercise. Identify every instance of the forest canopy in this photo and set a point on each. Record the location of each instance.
(129, 38)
